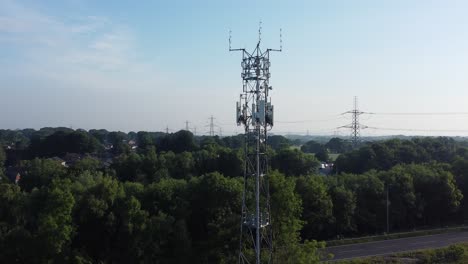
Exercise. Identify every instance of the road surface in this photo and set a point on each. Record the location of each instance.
(386, 247)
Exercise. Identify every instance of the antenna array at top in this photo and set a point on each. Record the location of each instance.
(259, 39)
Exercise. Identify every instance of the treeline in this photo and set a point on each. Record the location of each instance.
(156, 198)
(383, 155)
(334, 145)
(346, 205)
(173, 199)
(89, 217)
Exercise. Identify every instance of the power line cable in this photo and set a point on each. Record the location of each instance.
(419, 114)
(418, 130)
(308, 120)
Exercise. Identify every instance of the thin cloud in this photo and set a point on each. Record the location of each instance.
(89, 47)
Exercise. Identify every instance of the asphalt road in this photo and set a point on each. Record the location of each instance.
(387, 247)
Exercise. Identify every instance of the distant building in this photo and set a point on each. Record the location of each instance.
(108, 147)
(13, 174)
(59, 160)
(72, 158)
(17, 178)
(325, 168)
(106, 163)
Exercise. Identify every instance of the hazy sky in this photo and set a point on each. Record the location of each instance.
(145, 65)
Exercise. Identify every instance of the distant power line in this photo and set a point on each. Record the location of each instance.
(309, 120)
(418, 130)
(321, 131)
(373, 113)
(418, 114)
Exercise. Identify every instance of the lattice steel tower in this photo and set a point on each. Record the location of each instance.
(255, 113)
(355, 125)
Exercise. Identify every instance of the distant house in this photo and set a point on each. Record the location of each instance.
(106, 163)
(132, 144)
(59, 160)
(13, 174)
(17, 178)
(72, 158)
(108, 146)
(325, 168)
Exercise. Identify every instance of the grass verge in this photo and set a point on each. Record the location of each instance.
(341, 242)
(454, 254)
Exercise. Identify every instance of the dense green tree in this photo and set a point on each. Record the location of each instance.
(230, 162)
(322, 155)
(2, 164)
(370, 202)
(144, 140)
(116, 139)
(278, 142)
(338, 145)
(11, 206)
(94, 217)
(402, 198)
(151, 165)
(386, 154)
(312, 147)
(87, 163)
(215, 206)
(2, 157)
(180, 166)
(317, 206)
(181, 203)
(99, 134)
(294, 162)
(60, 143)
(233, 142)
(54, 221)
(17, 138)
(344, 208)
(40, 172)
(436, 192)
(460, 172)
(178, 142)
(206, 160)
(286, 209)
(128, 167)
(14, 238)
(168, 198)
(211, 142)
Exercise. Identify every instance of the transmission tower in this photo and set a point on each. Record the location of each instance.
(212, 126)
(355, 126)
(255, 113)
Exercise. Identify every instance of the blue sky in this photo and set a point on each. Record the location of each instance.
(150, 64)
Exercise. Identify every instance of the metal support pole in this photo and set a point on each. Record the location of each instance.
(255, 112)
(257, 199)
(388, 225)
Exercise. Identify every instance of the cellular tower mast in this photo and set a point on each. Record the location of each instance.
(255, 112)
